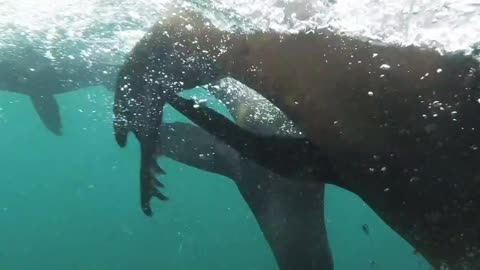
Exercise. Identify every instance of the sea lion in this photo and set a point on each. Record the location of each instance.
(27, 71)
(398, 124)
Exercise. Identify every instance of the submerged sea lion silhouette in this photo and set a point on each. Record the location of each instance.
(399, 125)
(29, 72)
(290, 215)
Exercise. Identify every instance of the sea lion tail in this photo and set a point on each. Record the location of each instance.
(48, 110)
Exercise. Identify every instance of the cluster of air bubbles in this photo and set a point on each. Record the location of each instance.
(436, 107)
(92, 30)
(88, 30)
(198, 102)
(405, 22)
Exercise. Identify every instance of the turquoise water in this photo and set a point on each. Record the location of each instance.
(71, 202)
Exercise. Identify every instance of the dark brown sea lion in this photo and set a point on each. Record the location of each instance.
(399, 124)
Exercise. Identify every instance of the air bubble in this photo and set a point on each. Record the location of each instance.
(385, 67)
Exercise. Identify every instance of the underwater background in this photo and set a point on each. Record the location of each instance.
(71, 202)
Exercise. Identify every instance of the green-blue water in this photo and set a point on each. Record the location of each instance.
(71, 202)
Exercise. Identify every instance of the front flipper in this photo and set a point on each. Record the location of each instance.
(149, 184)
(49, 112)
(146, 128)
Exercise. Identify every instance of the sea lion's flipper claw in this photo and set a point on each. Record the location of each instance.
(149, 184)
(157, 169)
(160, 195)
(149, 188)
(158, 183)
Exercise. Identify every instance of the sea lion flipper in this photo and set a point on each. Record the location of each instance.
(120, 124)
(149, 189)
(149, 184)
(48, 110)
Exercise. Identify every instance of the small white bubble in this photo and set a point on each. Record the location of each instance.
(370, 93)
(71, 57)
(439, 70)
(474, 147)
(384, 67)
(386, 189)
(374, 55)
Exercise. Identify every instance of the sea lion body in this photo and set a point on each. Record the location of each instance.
(400, 124)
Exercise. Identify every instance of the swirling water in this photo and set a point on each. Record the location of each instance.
(71, 202)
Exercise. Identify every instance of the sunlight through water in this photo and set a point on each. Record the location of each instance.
(107, 30)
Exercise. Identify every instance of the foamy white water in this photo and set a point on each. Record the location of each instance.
(107, 30)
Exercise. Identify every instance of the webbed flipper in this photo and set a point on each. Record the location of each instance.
(144, 122)
(48, 110)
(149, 184)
